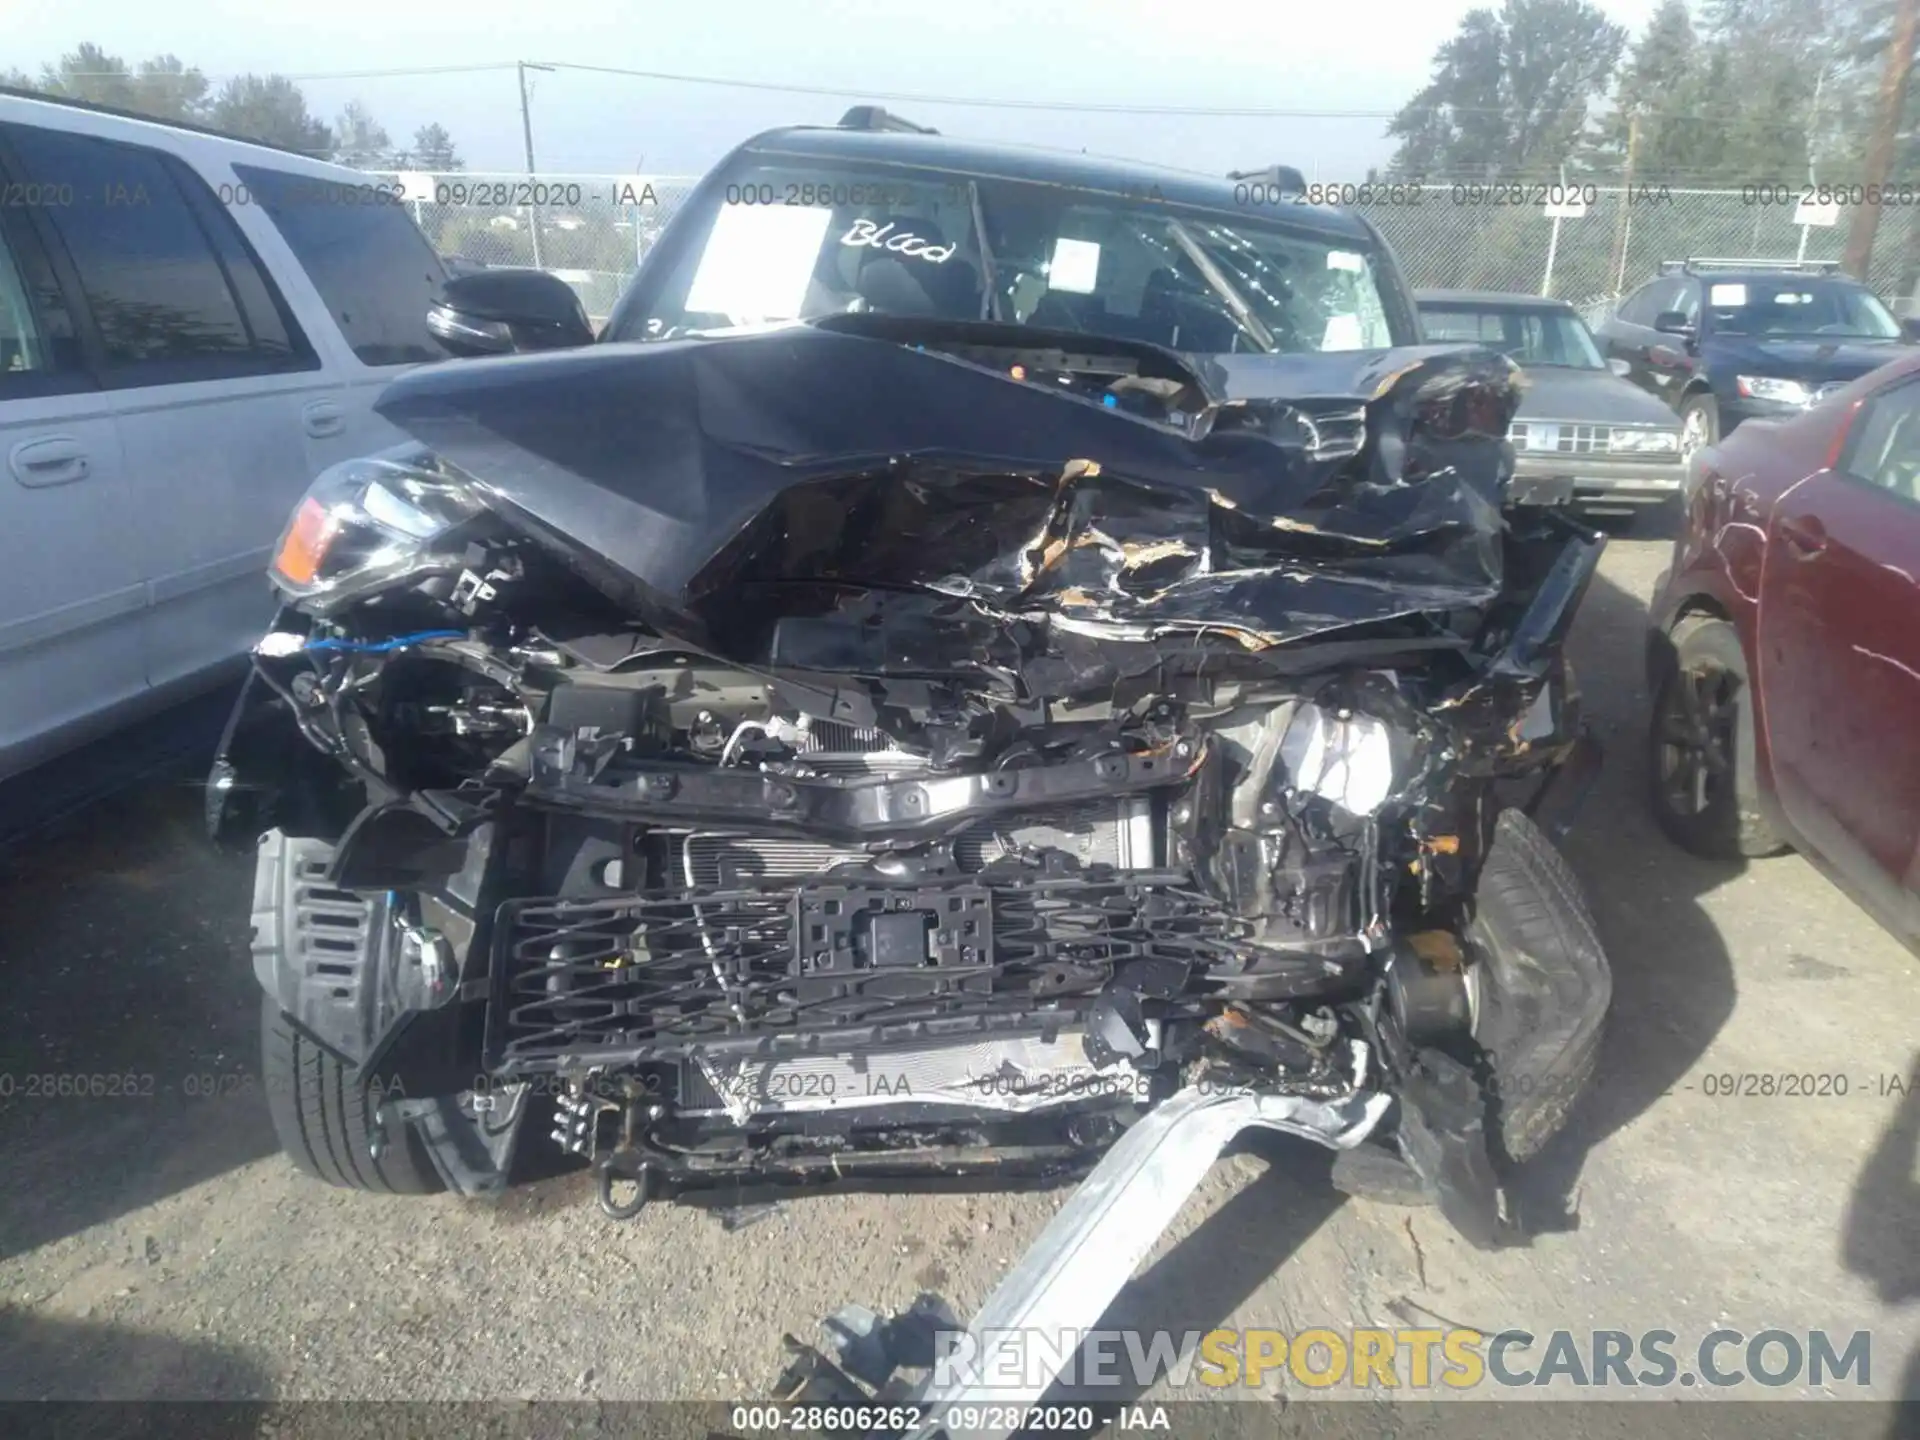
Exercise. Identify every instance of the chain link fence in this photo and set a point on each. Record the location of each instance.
(594, 230)
(590, 230)
(1475, 236)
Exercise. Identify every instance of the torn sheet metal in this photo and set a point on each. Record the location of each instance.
(833, 467)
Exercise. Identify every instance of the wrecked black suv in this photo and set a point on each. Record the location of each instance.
(984, 641)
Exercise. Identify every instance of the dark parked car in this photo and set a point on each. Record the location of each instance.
(1785, 654)
(1723, 341)
(987, 639)
(1583, 436)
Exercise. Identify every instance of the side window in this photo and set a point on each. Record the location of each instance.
(374, 270)
(174, 293)
(1638, 308)
(1687, 302)
(22, 346)
(1884, 449)
(25, 346)
(39, 346)
(1661, 296)
(1471, 326)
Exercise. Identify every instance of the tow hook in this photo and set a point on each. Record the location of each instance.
(606, 1173)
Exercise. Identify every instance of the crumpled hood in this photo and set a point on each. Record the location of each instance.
(822, 477)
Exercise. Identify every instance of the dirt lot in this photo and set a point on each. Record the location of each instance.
(156, 1244)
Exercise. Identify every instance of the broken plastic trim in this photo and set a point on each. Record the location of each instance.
(837, 809)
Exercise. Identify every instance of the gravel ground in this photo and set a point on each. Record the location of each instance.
(155, 1244)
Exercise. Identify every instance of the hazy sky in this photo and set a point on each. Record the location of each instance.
(1363, 55)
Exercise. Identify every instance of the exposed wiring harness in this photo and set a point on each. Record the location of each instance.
(284, 644)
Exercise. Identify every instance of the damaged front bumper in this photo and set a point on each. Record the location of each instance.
(1590, 484)
(791, 797)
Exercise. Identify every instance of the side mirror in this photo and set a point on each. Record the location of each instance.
(1672, 322)
(1911, 327)
(499, 312)
(1619, 367)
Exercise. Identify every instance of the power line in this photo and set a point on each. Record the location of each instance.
(139, 77)
(907, 97)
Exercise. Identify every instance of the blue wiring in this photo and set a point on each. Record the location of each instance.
(381, 647)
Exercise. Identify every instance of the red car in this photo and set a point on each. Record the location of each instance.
(1784, 655)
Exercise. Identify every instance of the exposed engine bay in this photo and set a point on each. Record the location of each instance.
(867, 751)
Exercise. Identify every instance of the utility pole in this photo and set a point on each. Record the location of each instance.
(1880, 144)
(526, 132)
(1623, 226)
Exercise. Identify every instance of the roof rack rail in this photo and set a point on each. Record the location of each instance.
(1288, 180)
(874, 117)
(1694, 264)
(121, 113)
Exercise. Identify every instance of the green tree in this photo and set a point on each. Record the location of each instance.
(1755, 103)
(361, 141)
(1660, 88)
(1453, 125)
(169, 89)
(270, 108)
(91, 74)
(1509, 92)
(163, 87)
(433, 150)
(1851, 99)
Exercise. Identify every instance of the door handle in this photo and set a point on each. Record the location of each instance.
(56, 460)
(323, 418)
(1805, 537)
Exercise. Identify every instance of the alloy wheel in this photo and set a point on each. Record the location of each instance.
(1695, 730)
(1693, 433)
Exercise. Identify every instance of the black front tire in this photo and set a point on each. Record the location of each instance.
(1542, 987)
(1702, 760)
(323, 1114)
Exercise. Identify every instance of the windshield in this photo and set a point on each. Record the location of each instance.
(1530, 337)
(1798, 306)
(786, 241)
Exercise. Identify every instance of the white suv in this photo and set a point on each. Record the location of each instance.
(191, 328)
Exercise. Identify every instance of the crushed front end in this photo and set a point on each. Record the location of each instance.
(836, 755)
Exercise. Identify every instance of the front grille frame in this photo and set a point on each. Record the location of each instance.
(1571, 437)
(1057, 940)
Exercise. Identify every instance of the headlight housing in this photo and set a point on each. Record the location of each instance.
(366, 523)
(1781, 392)
(1625, 441)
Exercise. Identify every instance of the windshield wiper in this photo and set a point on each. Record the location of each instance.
(1216, 277)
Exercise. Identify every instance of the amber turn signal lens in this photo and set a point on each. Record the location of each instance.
(306, 544)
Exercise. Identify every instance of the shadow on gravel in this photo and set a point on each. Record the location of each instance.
(129, 1041)
(44, 1358)
(1673, 980)
(1883, 1217)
